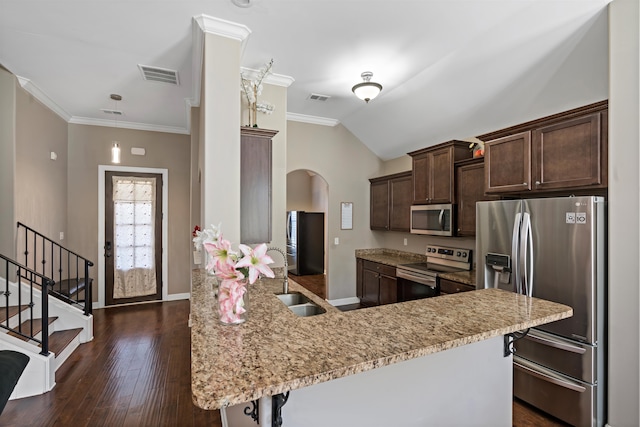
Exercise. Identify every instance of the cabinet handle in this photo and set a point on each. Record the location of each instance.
(524, 183)
(537, 182)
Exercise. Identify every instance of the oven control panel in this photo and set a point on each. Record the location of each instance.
(453, 254)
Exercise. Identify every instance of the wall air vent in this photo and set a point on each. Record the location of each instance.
(114, 112)
(318, 97)
(156, 74)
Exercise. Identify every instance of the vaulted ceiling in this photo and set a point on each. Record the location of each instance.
(449, 68)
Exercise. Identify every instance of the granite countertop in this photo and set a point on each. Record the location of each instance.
(390, 257)
(466, 277)
(394, 258)
(276, 351)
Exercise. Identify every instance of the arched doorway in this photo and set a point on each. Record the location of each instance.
(308, 194)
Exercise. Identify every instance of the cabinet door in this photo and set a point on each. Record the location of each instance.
(441, 176)
(567, 155)
(400, 204)
(359, 272)
(421, 178)
(370, 287)
(470, 183)
(379, 216)
(255, 183)
(507, 163)
(388, 290)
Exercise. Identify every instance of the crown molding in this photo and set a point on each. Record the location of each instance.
(271, 78)
(127, 125)
(220, 27)
(38, 94)
(314, 120)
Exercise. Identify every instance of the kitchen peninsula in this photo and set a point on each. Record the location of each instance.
(426, 361)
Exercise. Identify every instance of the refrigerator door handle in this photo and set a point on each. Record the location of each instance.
(551, 379)
(556, 344)
(526, 255)
(515, 259)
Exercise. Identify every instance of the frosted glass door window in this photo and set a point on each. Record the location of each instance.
(134, 201)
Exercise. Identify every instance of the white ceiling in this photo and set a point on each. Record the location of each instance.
(450, 68)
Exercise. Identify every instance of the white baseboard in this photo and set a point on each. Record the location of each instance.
(175, 297)
(344, 301)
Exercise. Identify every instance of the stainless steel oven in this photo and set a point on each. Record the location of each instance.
(420, 280)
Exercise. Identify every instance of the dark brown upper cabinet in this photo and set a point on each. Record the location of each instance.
(469, 190)
(433, 172)
(255, 184)
(566, 151)
(390, 202)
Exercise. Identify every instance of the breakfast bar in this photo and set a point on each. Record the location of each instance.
(395, 362)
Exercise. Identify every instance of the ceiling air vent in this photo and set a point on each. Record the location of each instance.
(318, 97)
(114, 112)
(156, 74)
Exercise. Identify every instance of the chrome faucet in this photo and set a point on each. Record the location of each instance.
(285, 284)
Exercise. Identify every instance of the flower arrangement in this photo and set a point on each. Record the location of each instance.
(253, 88)
(232, 270)
(477, 148)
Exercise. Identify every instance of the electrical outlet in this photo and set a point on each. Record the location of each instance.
(336, 241)
(62, 235)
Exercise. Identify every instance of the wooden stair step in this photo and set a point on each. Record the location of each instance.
(26, 328)
(59, 340)
(13, 310)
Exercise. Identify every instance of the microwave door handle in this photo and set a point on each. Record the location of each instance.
(441, 219)
(515, 259)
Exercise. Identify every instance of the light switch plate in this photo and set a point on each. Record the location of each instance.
(336, 241)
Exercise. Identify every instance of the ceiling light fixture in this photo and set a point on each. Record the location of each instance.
(115, 148)
(242, 3)
(367, 90)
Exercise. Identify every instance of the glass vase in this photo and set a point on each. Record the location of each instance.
(232, 302)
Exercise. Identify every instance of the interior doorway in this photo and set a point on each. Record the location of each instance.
(308, 192)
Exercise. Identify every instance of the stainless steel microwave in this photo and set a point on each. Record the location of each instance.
(436, 220)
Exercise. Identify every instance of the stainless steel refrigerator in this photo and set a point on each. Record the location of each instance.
(552, 249)
(305, 242)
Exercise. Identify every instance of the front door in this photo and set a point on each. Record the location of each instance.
(133, 237)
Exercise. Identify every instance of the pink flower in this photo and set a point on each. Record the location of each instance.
(221, 253)
(256, 261)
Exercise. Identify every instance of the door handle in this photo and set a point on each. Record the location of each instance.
(107, 250)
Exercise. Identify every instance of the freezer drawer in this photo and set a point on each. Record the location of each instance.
(572, 358)
(565, 398)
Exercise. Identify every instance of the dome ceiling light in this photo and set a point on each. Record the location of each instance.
(367, 90)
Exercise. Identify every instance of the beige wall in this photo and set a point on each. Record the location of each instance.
(299, 191)
(624, 205)
(7, 163)
(220, 105)
(89, 147)
(346, 164)
(41, 183)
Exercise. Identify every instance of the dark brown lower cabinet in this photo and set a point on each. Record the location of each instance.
(453, 287)
(388, 290)
(377, 283)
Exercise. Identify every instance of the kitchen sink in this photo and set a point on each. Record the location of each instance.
(294, 298)
(306, 310)
(300, 305)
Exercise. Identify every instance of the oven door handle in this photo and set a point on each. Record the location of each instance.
(427, 281)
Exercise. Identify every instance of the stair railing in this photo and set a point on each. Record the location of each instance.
(69, 270)
(23, 276)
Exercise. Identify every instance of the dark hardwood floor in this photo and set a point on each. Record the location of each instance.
(136, 372)
(315, 283)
